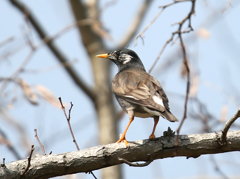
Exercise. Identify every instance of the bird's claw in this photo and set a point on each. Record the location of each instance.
(124, 140)
(152, 136)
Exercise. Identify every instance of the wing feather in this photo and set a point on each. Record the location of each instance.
(138, 87)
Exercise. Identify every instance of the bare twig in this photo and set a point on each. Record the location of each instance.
(202, 114)
(14, 123)
(29, 161)
(39, 142)
(12, 51)
(223, 138)
(159, 55)
(106, 5)
(159, 13)
(50, 68)
(135, 164)
(92, 174)
(179, 31)
(226, 7)
(45, 41)
(15, 74)
(4, 42)
(135, 24)
(146, 28)
(216, 167)
(68, 120)
(188, 17)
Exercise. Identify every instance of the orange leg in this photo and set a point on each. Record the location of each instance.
(156, 119)
(123, 135)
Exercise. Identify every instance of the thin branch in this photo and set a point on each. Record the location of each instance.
(68, 120)
(223, 138)
(70, 128)
(106, 5)
(160, 12)
(188, 17)
(14, 123)
(50, 68)
(15, 74)
(43, 42)
(29, 161)
(135, 164)
(4, 42)
(159, 55)
(135, 24)
(179, 31)
(216, 167)
(39, 142)
(146, 28)
(59, 56)
(226, 7)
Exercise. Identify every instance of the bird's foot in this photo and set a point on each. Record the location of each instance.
(124, 140)
(152, 136)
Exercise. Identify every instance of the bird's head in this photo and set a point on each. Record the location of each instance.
(124, 58)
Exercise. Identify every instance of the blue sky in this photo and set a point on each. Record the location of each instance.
(214, 59)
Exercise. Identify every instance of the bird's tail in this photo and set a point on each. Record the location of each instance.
(169, 116)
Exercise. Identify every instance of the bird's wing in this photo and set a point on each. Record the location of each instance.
(140, 88)
(160, 91)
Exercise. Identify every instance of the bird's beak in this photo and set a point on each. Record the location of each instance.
(105, 55)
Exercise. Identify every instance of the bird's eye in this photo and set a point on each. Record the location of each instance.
(117, 53)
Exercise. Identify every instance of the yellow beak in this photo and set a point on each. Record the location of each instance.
(105, 55)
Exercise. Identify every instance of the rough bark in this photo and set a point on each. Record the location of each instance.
(95, 158)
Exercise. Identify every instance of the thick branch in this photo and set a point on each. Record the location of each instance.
(60, 57)
(94, 158)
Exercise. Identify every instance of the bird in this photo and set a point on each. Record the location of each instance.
(137, 92)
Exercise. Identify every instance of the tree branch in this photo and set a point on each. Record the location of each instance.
(68, 117)
(95, 158)
(60, 57)
(223, 138)
(43, 150)
(29, 161)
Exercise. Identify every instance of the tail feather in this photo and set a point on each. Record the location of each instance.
(169, 116)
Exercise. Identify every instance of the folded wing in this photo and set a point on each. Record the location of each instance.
(140, 88)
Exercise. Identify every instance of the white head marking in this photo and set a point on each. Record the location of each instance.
(125, 58)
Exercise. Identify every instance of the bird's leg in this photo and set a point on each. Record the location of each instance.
(156, 119)
(122, 138)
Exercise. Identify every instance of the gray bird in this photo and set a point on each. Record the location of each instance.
(138, 93)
